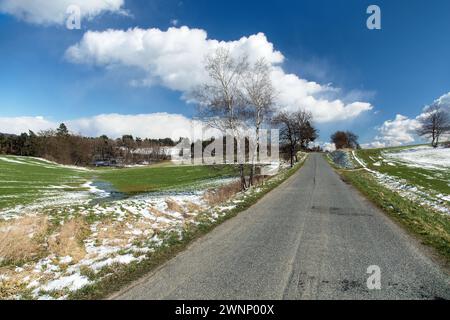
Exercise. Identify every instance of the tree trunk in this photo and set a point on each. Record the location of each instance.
(292, 156)
(242, 174)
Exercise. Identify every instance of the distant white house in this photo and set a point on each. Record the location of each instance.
(167, 151)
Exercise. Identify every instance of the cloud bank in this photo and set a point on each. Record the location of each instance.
(175, 59)
(155, 125)
(53, 12)
(18, 125)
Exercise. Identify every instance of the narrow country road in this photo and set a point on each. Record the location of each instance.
(312, 238)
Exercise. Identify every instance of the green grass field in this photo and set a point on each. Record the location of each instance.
(149, 179)
(435, 181)
(25, 180)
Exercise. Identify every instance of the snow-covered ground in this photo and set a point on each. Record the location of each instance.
(121, 232)
(40, 162)
(124, 231)
(423, 157)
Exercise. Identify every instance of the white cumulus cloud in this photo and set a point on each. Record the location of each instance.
(175, 60)
(49, 12)
(402, 130)
(442, 102)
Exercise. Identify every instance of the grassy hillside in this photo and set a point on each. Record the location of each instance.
(25, 180)
(390, 161)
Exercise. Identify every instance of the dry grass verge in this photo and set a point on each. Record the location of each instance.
(222, 194)
(23, 239)
(69, 240)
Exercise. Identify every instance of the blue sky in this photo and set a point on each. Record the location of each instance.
(398, 69)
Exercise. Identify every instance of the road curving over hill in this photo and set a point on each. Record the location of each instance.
(314, 237)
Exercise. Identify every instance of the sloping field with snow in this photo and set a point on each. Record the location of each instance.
(26, 180)
(419, 173)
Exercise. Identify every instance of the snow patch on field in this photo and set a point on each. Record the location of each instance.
(33, 161)
(423, 157)
(95, 190)
(126, 232)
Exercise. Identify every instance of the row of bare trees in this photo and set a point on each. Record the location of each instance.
(239, 95)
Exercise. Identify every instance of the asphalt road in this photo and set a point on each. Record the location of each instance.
(314, 237)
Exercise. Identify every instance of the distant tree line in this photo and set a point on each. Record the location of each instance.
(67, 148)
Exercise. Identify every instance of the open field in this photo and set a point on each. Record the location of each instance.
(148, 179)
(419, 173)
(26, 181)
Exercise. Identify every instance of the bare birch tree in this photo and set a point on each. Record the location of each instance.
(220, 99)
(259, 95)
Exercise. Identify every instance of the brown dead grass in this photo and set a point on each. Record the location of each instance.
(156, 212)
(193, 207)
(259, 180)
(222, 194)
(69, 240)
(23, 239)
(113, 233)
(120, 232)
(173, 206)
(9, 289)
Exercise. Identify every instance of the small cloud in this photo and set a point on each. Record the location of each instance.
(44, 12)
(174, 22)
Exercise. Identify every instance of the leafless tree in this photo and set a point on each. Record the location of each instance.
(345, 139)
(305, 130)
(259, 95)
(296, 131)
(288, 127)
(434, 124)
(221, 103)
(220, 99)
